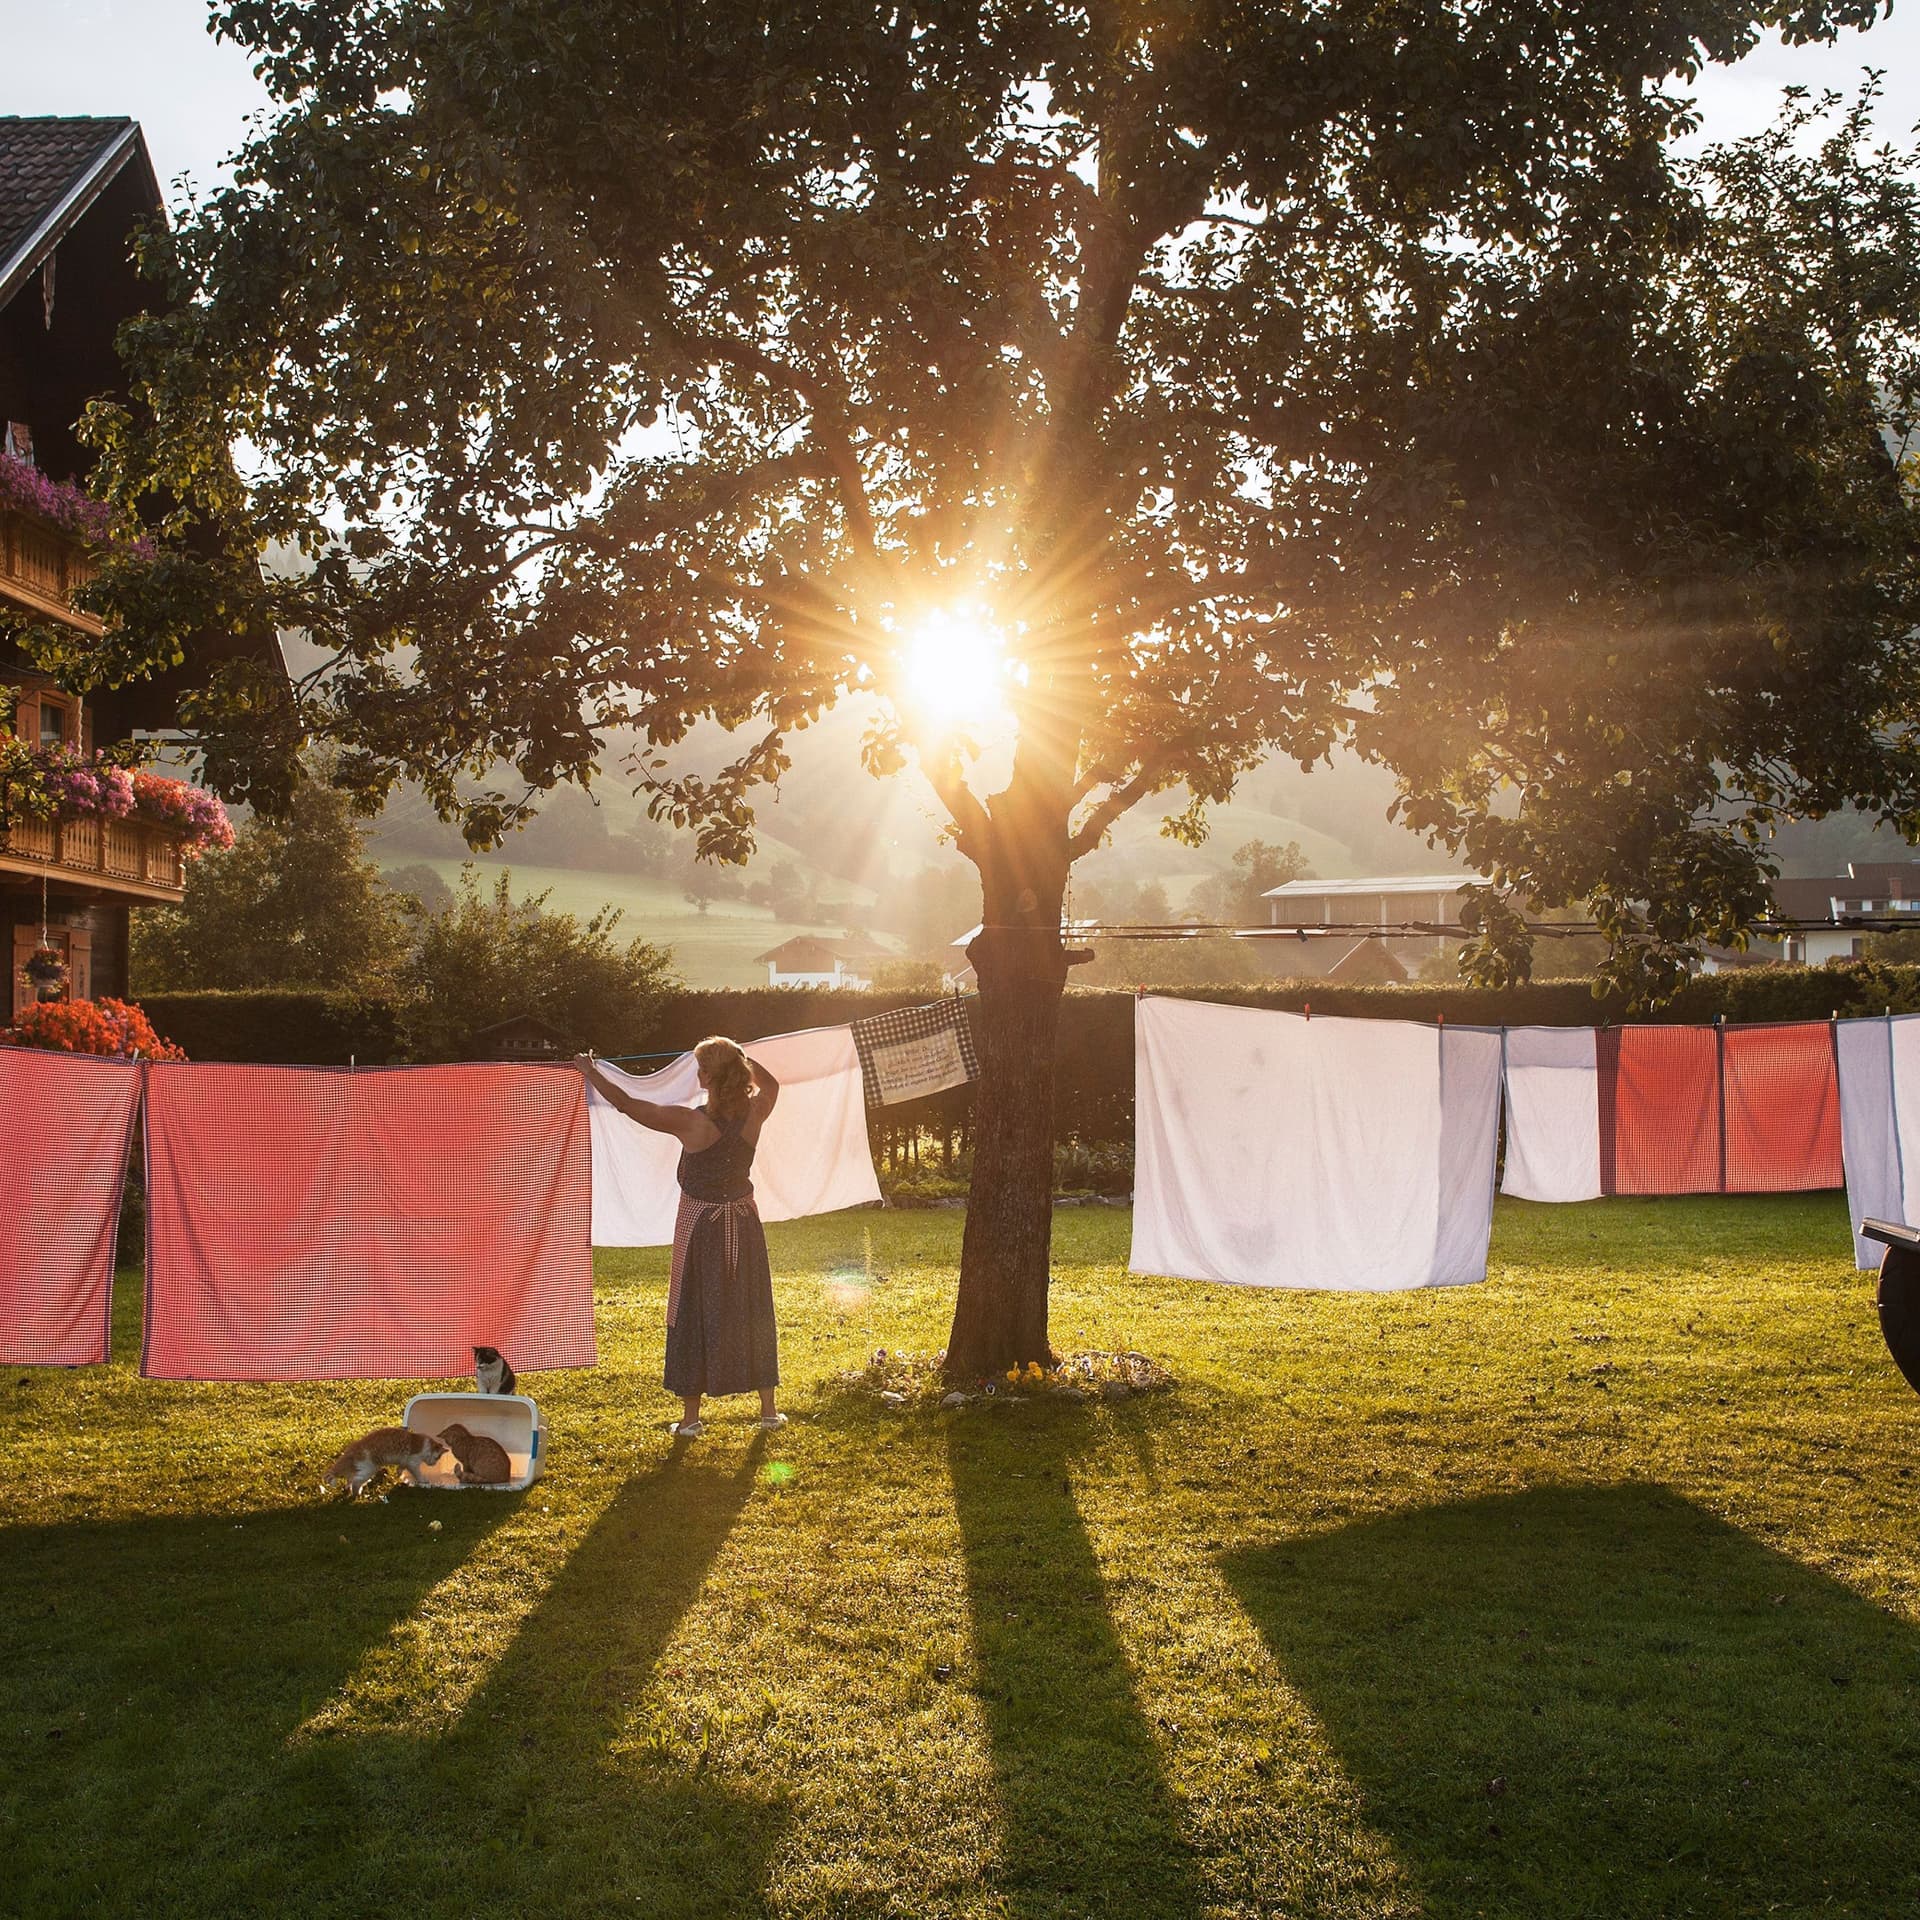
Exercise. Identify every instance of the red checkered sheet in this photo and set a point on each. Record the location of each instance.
(65, 1122)
(1783, 1109)
(319, 1224)
(1659, 1110)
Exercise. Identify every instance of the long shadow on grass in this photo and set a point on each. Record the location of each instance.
(1605, 1702)
(1087, 1822)
(150, 1675)
(151, 1669)
(541, 1795)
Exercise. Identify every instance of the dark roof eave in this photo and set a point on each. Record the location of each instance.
(67, 211)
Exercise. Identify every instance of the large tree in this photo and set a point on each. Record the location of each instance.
(294, 902)
(1269, 376)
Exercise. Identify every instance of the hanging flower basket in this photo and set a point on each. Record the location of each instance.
(45, 970)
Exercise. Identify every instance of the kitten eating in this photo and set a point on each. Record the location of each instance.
(491, 1374)
(483, 1461)
(373, 1453)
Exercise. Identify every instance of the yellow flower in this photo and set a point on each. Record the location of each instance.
(1013, 1373)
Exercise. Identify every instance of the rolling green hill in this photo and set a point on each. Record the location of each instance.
(711, 949)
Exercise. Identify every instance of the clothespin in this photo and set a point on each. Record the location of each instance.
(1306, 1009)
(353, 1062)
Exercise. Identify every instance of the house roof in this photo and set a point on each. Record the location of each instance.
(1876, 880)
(51, 172)
(1395, 883)
(816, 953)
(1876, 877)
(1368, 963)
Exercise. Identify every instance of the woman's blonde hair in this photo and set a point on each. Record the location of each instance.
(727, 1075)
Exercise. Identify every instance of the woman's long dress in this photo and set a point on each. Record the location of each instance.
(720, 1330)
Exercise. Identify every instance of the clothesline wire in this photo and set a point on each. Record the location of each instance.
(1426, 929)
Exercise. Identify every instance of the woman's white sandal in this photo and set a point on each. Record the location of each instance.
(688, 1429)
(771, 1422)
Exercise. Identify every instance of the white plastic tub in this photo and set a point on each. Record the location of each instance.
(510, 1418)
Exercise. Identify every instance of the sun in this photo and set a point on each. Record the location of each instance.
(954, 667)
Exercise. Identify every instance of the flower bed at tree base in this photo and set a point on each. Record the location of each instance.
(916, 1382)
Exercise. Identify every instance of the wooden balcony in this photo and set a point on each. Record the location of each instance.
(41, 569)
(129, 859)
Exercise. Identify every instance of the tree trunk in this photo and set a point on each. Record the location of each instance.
(1000, 1312)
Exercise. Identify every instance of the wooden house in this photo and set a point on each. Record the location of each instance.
(71, 194)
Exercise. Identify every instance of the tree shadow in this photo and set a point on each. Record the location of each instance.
(1604, 1701)
(151, 1669)
(530, 1802)
(1088, 1823)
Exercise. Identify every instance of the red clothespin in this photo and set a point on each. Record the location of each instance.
(1306, 1009)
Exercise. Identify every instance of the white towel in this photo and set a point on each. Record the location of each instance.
(1276, 1151)
(812, 1155)
(1879, 1062)
(1553, 1113)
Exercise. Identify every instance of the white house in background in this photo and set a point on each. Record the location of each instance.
(1434, 898)
(1876, 887)
(820, 960)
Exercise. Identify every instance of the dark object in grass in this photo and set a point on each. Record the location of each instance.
(1899, 1293)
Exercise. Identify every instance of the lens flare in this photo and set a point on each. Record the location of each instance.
(954, 667)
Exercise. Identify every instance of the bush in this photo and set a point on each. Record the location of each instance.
(489, 957)
(296, 1027)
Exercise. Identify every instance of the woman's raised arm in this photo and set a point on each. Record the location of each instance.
(766, 1090)
(677, 1121)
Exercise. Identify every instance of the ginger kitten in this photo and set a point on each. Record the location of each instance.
(398, 1447)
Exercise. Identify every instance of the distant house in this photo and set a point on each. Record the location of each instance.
(524, 1037)
(1367, 963)
(1433, 899)
(71, 193)
(810, 960)
(1877, 888)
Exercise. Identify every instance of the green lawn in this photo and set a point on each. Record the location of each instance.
(1593, 1590)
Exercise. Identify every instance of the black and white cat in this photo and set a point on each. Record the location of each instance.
(491, 1374)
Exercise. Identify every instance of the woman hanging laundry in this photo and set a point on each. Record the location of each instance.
(720, 1328)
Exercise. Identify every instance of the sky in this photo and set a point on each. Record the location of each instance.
(153, 59)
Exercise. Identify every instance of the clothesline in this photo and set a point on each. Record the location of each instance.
(326, 1224)
(1427, 929)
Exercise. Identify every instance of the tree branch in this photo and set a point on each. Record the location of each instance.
(963, 805)
(829, 421)
(1092, 830)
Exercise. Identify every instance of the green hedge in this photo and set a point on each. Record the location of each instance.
(291, 1027)
(1094, 1072)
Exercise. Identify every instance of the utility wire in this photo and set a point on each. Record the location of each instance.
(1440, 929)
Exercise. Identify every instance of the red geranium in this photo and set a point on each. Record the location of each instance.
(89, 1026)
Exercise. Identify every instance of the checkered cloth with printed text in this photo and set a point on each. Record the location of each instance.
(915, 1051)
